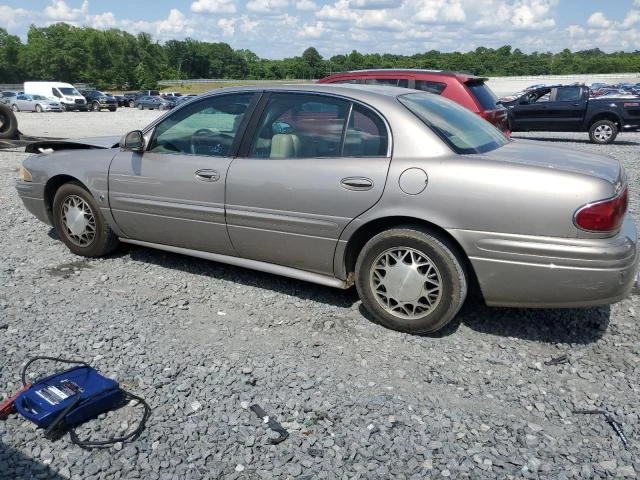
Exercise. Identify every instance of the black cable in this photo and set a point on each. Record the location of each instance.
(87, 444)
(23, 374)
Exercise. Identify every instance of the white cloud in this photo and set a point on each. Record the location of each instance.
(440, 11)
(247, 24)
(266, 6)
(176, 23)
(598, 20)
(228, 26)
(533, 15)
(11, 18)
(102, 21)
(59, 11)
(374, 4)
(632, 18)
(306, 5)
(312, 30)
(213, 6)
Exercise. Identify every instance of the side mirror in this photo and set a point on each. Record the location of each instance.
(133, 141)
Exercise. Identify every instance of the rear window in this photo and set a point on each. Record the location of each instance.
(486, 98)
(430, 86)
(464, 131)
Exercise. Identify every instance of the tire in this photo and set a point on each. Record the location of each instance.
(132, 104)
(95, 106)
(603, 132)
(38, 108)
(8, 123)
(434, 265)
(96, 238)
(15, 108)
(140, 107)
(113, 109)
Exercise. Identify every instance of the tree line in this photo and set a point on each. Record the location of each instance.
(117, 59)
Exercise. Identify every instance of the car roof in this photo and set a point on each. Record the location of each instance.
(358, 92)
(462, 76)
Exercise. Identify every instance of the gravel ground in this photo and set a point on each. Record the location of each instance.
(202, 341)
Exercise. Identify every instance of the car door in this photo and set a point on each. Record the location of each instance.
(312, 165)
(173, 192)
(24, 102)
(530, 111)
(566, 108)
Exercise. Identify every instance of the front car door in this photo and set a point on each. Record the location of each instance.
(531, 111)
(173, 193)
(313, 164)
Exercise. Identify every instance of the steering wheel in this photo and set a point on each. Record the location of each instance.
(214, 142)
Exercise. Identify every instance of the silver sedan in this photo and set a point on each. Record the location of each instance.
(34, 103)
(404, 194)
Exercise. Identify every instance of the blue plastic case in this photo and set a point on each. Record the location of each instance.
(47, 398)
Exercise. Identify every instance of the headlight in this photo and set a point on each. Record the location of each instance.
(69, 99)
(24, 174)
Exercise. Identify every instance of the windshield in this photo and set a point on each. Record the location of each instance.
(464, 131)
(484, 95)
(69, 91)
(38, 97)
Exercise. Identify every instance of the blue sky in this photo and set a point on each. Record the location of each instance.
(283, 28)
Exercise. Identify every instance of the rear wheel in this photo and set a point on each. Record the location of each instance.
(112, 109)
(8, 123)
(411, 280)
(603, 132)
(80, 224)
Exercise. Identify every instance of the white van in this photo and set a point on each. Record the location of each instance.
(65, 93)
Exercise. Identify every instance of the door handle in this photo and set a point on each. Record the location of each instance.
(357, 183)
(207, 175)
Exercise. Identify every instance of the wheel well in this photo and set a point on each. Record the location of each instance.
(369, 230)
(606, 116)
(52, 187)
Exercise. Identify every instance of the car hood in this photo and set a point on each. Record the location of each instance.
(529, 152)
(72, 144)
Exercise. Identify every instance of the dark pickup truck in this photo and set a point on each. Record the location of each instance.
(569, 109)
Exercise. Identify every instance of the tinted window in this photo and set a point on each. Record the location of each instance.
(207, 127)
(429, 86)
(464, 131)
(366, 134)
(69, 91)
(300, 126)
(351, 80)
(395, 82)
(568, 94)
(484, 95)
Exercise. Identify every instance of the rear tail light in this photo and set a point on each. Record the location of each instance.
(603, 216)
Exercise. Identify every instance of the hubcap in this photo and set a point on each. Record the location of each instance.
(603, 132)
(78, 221)
(406, 283)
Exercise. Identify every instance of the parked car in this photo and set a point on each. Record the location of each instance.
(7, 98)
(569, 109)
(405, 194)
(98, 100)
(131, 98)
(154, 103)
(467, 90)
(170, 94)
(35, 103)
(122, 102)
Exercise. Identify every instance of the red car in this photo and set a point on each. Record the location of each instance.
(467, 90)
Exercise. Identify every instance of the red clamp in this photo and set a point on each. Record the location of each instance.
(7, 407)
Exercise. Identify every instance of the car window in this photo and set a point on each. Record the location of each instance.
(483, 94)
(300, 126)
(464, 131)
(395, 82)
(38, 97)
(568, 94)
(21, 97)
(205, 127)
(430, 86)
(366, 134)
(351, 80)
(69, 91)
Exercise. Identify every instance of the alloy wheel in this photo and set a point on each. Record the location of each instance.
(603, 133)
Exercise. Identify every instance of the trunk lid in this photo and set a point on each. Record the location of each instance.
(527, 152)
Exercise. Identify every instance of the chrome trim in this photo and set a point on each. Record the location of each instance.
(247, 263)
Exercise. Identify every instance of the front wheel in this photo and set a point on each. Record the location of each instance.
(95, 106)
(132, 104)
(603, 132)
(38, 108)
(15, 108)
(411, 280)
(140, 107)
(79, 223)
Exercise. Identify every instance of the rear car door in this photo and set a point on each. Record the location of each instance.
(23, 101)
(312, 164)
(566, 108)
(173, 193)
